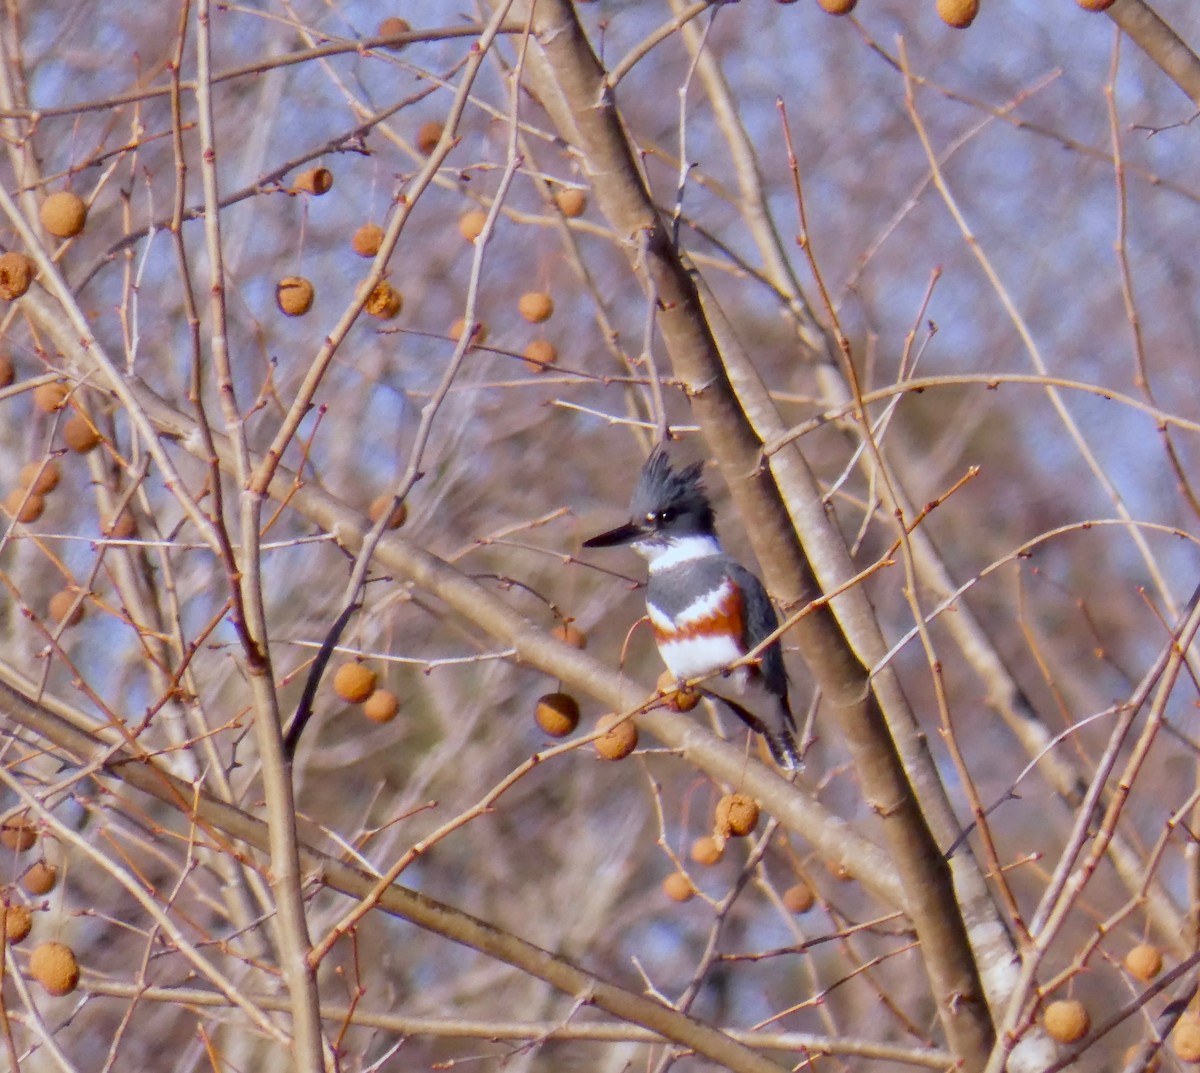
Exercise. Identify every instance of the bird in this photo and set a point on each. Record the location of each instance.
(705, 608)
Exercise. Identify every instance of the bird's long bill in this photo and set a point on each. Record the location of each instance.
(623, 534)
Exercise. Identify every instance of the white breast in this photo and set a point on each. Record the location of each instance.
(692, 657)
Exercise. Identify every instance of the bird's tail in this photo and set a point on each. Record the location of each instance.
(780, 739)
(783, 749)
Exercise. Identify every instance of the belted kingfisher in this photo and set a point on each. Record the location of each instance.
(706, 609)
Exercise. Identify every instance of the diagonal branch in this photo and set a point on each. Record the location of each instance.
(571, 84)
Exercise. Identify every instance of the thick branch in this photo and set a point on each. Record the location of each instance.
(571, 84)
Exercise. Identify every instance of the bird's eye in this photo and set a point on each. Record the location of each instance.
(665, 516)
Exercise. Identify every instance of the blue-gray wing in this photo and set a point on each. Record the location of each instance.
(759, 620)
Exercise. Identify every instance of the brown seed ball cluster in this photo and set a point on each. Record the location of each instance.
(18, 834)
(1185, 1039)
(382, 706)
(16, 274)
(707, 851)
(8, 372)
(294, 296)
(25, 506)
(63, 609)
(80, 435)
(678, 700)
(1144, 962)
(571, 202)
(958, 13)
(51, 397)
(540, 354)
(837, 7)
(40, 878)
(799, 898)
(619, 741)
(367, 240)
(1066, 1020)
(736, 816)
(18, 922)
(40, 477)
(557, 714)
(315, 181)
(570, 634)
(390, 27)
(63, 214)
(383, 502)
(471, 224)
(678, 887)
(536, 306)
(429, 135)
(53, 965)
(384, 302)
(354, 682)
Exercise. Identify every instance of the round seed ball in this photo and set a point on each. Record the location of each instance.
(619, 741)
(63, 214)
(315, 181)
(536, 306)
(62, 608)
(471, 224)
(1144, 962)
(707, 851)
(354, 682)
(391, 27)
(381, 706)
(1153, 1066)
(478, 335)
(571, 202)
(40, 878)
(80, 435)
(570, 634)
(367, 240)
(40, 477)
(1185, 1039)
(799, 898)
(737, 815)
(678, 700)
(18, 834)
(678, 887)
(18, 921)
(381, 503)
(16, 274)
(24, 506)
(53, 965)
(540, 354)
(51, 397)
(123, 527)
(7, 373)
(294, 296)
(1095, 5)
(837, 7)
(839, 871)
(429, 135)
(557, 714)
(1066, 1020)
(384, 301)
(958, 13)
